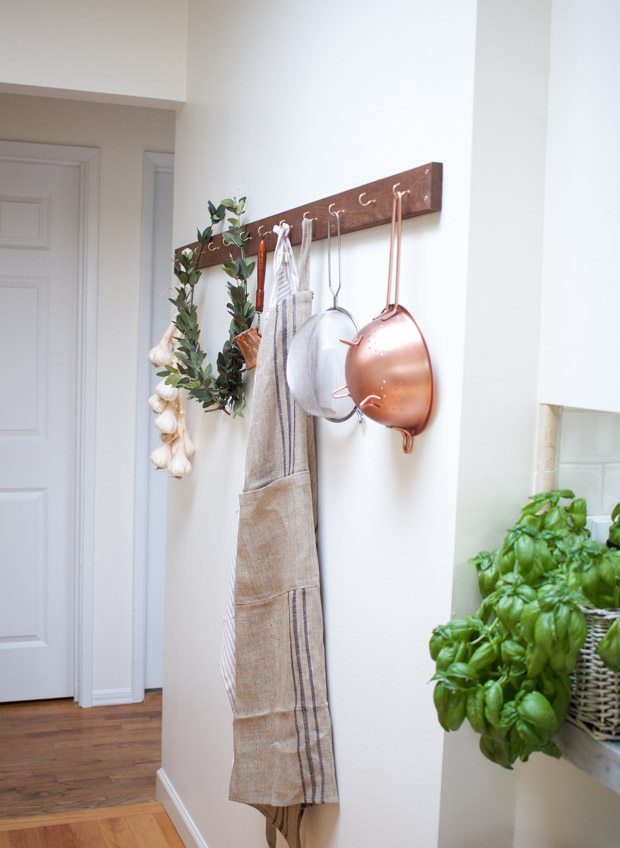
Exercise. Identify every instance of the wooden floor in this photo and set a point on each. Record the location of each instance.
(56, 757)
(139, 826)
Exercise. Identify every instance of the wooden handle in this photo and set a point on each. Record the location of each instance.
(260, 275)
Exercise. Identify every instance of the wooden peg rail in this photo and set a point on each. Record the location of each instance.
(424, 185)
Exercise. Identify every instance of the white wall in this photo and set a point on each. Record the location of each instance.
(122, 133)
(561, 807)
(334, 105)
(133, 49)
(339, 100)
(498, 423)
(580, 341)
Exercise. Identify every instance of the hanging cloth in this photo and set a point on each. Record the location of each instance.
(285, 276)
(283, 754)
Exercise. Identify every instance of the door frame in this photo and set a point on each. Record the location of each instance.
(87, 162)
(153, 163)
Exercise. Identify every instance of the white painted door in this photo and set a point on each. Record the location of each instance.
(39, 262)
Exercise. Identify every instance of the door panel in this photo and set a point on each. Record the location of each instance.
(39, 256)
(27, 339)
(23, 517)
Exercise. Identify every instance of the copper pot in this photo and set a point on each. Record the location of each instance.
(388, 369)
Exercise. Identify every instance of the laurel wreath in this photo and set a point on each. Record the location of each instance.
(221, 388)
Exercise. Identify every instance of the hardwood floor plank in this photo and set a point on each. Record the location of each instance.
(172, 837)
(116, 833)
(136, 826)
(58, 757)
(147, 831)
(26, 839)
(87, 834)
(151, 807)
(58, 836)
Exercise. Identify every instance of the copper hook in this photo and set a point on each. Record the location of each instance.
(309, 219)
(211, 248)
(283, 221)
(366, 202)
(262, 235)
(336, 213)
(394, 192)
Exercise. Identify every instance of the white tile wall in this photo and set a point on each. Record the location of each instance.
(588, 457)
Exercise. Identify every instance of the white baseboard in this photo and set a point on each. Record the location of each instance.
(177, 812)
(106, 697)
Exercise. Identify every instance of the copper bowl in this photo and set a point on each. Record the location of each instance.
(248, 343)
(388, 373)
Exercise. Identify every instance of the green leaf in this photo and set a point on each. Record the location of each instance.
(608, 648)
(230, 268)
(230, 237)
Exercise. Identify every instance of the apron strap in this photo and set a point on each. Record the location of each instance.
(304, 255)
(270, 833)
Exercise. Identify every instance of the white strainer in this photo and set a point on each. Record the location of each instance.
(315, 366)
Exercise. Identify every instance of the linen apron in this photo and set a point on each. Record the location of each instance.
(283, 754)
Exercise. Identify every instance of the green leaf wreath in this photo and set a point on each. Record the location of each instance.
(222, 388)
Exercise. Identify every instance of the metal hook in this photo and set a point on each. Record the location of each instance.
(394, 192)
(283, 221)
(309, 219)
(262, 235)
(337, 212)
(366, 202)
(211, 248)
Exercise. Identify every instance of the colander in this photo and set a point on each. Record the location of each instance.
(316, 358)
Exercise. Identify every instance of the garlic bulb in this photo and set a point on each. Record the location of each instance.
(179, 465)
(167, 421)
(189, 446)
(156, 404)
(160, 354)
(184, 438)
(162, 455)
(166, 392)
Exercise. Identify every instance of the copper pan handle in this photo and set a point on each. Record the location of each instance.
(367, 401)
(398, 202)
(336, 393)
(407, 438)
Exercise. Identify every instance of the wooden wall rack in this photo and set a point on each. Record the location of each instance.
(362, 207)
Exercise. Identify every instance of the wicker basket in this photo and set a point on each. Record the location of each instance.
(595, 700)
